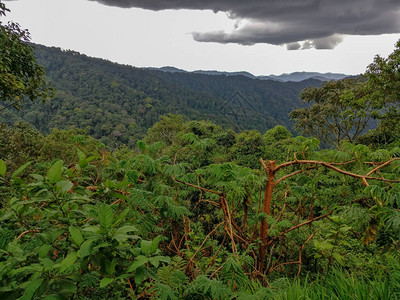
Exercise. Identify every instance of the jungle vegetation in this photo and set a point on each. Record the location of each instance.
(195, 210)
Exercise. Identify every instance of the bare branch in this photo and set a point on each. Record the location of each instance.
(198, 187)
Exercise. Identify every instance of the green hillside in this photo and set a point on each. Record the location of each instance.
(118, 103)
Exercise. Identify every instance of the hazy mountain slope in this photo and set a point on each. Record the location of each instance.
(300, 76)
(295, 76)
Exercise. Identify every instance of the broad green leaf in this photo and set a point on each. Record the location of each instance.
(55, 171)
(155, 261)
(76, 235)
(105, 281)
(3, 168)
(139, 275)
(31, 288)
(154, 244)
(94, 229)
(91, 158)
(64, 186)
(86, 248)
(125, 229)
(109, 266)
(43, 250)
(105, 216)
(146, 247)
(68, 261)
(20, 169)
(138, 262)
(120, 234)
(101, 245)
(37, 177)
(81, 155)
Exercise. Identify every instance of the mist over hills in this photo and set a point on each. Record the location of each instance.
(118, 103)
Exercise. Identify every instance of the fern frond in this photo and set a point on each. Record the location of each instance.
(165, 292)
(233, 275)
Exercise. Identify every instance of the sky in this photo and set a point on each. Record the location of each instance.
(258, 36)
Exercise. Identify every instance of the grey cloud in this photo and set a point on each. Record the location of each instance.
(328, 42)
(303, 24)
(293, 46)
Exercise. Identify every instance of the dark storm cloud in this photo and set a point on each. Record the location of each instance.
(300, 24)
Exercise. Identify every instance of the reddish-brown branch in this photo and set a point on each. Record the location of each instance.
(25, 232)
(176, 153)
(228, 222)
(332, 167)
(130, 286)
(198, 187)
(382, 165)
(288, 176)
(297, 226)
(299, 161)
(301, 252)
(205, 239)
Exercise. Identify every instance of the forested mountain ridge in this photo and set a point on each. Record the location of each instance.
(295, 76)
(117, 103)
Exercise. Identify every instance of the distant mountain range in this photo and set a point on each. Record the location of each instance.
(295, 76)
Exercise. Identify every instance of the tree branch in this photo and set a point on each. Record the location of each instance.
(298, 226)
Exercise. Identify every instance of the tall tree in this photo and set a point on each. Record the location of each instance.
(384, 81)
(20, 74)
(339, 110)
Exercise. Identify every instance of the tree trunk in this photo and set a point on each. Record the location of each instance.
(269, 189)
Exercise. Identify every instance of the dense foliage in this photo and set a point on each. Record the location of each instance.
(184, 218)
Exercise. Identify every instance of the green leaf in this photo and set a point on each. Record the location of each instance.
(47, 262)
(86, 248)
(3, 168)
(81, 155)
(138, 262)
(155, 261)
(154, 244)
(146, 247)
(68, 261)
(43, 250)
(105, 216)
(20, 169)
(31, 288)
(109, 266)
(64, 186)
(105, 281)
(139, 276)
(55, 171)
(120, 234)
(76, 235)
(125, 229)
